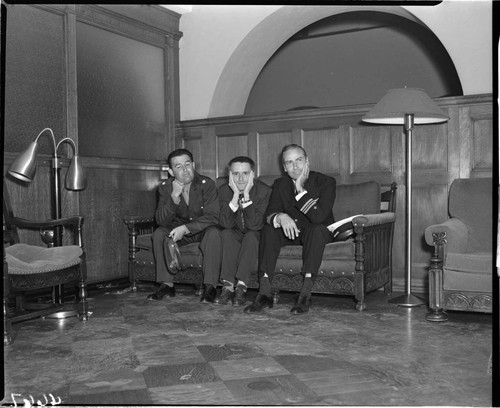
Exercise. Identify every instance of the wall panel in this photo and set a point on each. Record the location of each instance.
(270, 145)
(316, 142)
(229, 147)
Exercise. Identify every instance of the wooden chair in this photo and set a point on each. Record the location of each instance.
(30, 267)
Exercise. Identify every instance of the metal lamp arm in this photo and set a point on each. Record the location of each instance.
(71, 142)
(53, 139)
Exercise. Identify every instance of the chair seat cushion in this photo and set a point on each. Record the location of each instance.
(470, 272)
(28, 259)
(144, 241)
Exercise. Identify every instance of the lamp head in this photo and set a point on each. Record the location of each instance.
(24, 166)
(75, 176)
(397, 103)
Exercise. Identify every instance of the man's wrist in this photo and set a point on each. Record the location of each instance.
(176, 198)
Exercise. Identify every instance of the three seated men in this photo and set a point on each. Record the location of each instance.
(243, 225)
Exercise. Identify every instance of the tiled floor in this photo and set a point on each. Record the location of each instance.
(179, 351)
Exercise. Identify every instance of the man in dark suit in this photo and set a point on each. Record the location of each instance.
(243, 202)
(299, 211)
(188, 211)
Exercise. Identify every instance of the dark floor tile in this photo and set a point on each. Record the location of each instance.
(272, 390)
(161, 376)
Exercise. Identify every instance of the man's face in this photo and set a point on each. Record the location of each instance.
(182, 168)
(293, 162)
(241, 173)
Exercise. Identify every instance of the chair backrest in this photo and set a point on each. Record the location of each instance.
(470, 200)
(10, 233)
(353, 199)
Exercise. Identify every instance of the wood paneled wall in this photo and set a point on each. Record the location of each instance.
(340, 145)
(45, 87)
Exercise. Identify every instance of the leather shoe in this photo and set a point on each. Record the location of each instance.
(164, 290)
(225, 296)
(208, 294)
(301, 305)
(240, 296)
(259, 303)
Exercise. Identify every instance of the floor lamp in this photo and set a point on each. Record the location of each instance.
(24, 168)
(406, 106)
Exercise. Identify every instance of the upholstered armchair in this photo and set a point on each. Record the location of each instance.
(460, 274)
(355, 267)
(30, 267)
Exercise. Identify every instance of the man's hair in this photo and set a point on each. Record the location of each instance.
(290, 147)
(179, 152)
(242, 159)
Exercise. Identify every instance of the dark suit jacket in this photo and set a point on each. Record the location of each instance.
(203, 210)
(313, 207)
(253, 214)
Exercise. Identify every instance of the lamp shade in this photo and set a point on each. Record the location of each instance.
(24, 166)
(397, 103)
(75, 176)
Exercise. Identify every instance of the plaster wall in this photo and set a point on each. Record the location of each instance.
(224, 48)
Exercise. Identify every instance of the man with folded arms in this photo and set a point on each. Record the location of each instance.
(243, 202)
(299, 211)
(188, 211)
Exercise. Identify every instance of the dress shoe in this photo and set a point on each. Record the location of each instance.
(208, 294)
(240, 295)
(260, 302)
(225, 296)
(164, 290)
(301, 305)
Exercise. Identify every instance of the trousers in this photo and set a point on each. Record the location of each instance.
(239, 255)
(210, 246)
(313, 238)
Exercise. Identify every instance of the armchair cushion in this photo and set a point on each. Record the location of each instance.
(471, 272)
(27, 259)
(470, 202)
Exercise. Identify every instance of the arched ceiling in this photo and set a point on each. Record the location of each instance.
(248, 59)
(351, 59)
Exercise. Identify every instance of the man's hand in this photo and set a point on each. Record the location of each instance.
(177, 187)
(301, 180)
(246, 192)
(234, 187)
(288, 224)
(178, 233)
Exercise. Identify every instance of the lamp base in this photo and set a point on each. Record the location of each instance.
(407, 300)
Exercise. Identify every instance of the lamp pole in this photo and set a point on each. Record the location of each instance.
(408, 299)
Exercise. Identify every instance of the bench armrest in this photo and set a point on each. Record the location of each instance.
(133, 220)
(370, 220)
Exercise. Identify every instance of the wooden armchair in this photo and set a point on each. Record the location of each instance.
(29, 267)
(460, 274)
(354, 267)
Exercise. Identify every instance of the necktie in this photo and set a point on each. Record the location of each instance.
(240, 210)
(185, 195)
